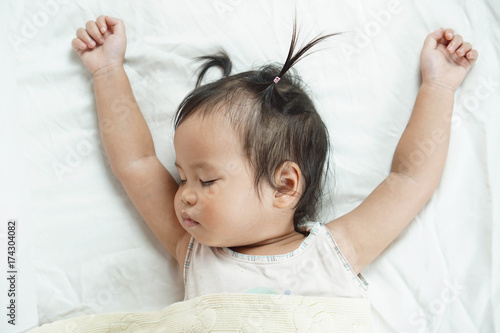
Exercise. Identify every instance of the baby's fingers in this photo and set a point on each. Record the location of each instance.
(448, 34)
(455, 43)
(101, 24)
(85, 38)
(463, 49)
(78, 44)
(472, 56)
(94, 32)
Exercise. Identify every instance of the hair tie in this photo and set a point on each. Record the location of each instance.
(277, 79)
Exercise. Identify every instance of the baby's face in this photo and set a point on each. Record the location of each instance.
(217, 201)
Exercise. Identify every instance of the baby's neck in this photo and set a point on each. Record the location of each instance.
(279, 245)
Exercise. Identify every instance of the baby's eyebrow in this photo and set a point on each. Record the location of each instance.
(199, 165)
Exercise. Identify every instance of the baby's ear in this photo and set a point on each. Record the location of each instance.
(289, 181)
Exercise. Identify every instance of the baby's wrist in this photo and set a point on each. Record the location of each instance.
(437, 86)
(106, 71)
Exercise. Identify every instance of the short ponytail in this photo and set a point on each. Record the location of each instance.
(220, 60)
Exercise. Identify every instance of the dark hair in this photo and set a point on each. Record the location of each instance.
(278, 122)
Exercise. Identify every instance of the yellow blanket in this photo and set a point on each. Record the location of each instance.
(252, 313)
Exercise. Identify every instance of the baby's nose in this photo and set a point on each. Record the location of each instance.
(189, 197)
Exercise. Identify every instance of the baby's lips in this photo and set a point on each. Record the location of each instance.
(186, 216)
(187, 221)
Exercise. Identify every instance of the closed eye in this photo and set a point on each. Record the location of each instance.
(208, 182)
(182, 182)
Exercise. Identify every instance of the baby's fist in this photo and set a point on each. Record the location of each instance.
(446, 58)
(101, 44)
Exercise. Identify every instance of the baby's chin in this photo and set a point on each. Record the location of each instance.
(214, 241)
(211, 242)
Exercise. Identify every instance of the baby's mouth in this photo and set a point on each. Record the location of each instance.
(187, 221)
(190, 223)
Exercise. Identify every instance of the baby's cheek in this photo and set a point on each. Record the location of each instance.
(177, 204)
(211, 200)
(212, 191)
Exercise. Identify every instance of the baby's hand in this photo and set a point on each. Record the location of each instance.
(101, 45)
(446, 59)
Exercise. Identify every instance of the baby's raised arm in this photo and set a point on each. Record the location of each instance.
(366, 231)
(125, 134)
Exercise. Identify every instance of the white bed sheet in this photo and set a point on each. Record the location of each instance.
(94, 254)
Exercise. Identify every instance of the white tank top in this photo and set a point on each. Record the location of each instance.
(317, 268)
